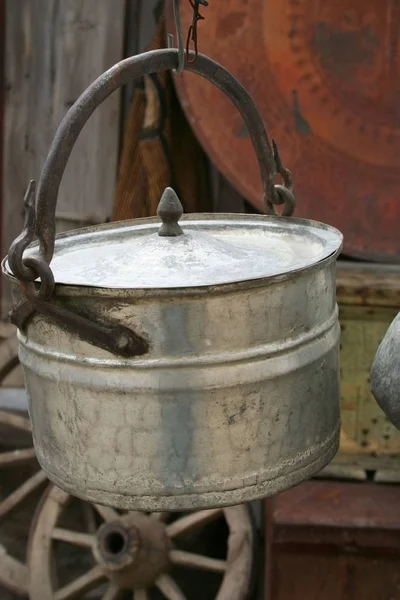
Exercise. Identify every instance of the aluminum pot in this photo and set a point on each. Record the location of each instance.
(177, 363)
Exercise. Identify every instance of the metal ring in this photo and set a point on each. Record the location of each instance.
(284, 195)
(18, 265)
(44, 274)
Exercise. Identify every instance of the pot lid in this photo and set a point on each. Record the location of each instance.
(204, 250)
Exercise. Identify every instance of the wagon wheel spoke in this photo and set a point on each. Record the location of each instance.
(15, 421)
(140, 595)
(192, 521)
(169, 588)
(107, 513)
(160, 516)
(21, 492)
(16, 457)
(197, 561)
(113, 592)
(86, 583)
(75, 538)
(133, 513)
(13, 574)
(89, 517)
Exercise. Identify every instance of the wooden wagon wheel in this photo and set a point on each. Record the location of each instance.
(133, 555)
(20, 474)
(14, 574)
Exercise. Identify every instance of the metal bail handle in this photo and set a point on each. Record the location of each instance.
(123, 72)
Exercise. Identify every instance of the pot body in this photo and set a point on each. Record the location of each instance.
(237, 398)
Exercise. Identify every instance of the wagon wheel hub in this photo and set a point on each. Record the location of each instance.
(132, 550)
(118, 545)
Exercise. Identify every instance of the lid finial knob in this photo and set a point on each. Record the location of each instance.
(170, 211)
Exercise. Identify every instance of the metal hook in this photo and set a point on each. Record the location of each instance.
(179, 35)
(192, 34)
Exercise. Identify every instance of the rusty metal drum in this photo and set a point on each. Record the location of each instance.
(177, 362)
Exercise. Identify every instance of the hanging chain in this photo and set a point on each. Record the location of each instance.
(192, 37)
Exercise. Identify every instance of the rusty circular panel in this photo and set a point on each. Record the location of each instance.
(326, 78)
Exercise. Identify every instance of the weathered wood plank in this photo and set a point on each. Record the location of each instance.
(15, 155)
(54, 50)
(2, 60)
(13, 574)
(333, 540)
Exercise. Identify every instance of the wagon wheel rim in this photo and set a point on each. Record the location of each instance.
(14, 573)
(235, 571)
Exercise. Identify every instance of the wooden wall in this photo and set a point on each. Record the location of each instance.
(2, 61)
(54, 50)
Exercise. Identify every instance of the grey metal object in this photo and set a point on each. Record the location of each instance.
(237, 397)
(170, 210)
(385, 373)
(235, 392)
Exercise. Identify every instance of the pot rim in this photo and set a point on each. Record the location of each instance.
(62, 290)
